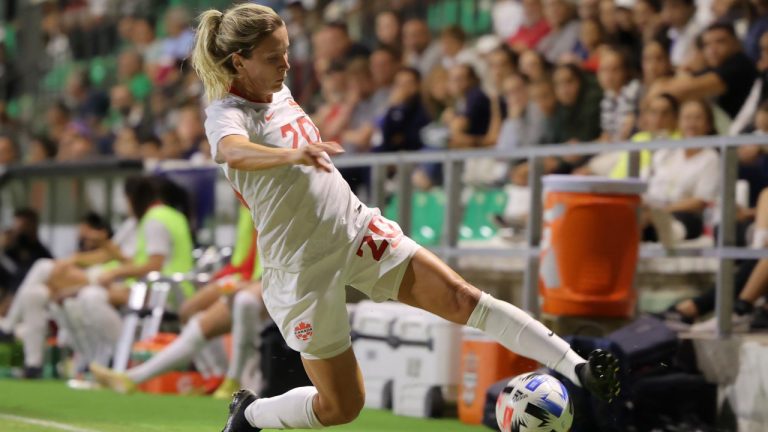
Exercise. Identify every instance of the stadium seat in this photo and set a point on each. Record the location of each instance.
(426, 218)
(483, 204)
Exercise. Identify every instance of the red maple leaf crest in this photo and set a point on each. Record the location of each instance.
(303, 331)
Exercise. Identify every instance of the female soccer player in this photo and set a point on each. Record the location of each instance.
(315, 236)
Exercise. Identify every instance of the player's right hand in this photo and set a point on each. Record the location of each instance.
(314, 155)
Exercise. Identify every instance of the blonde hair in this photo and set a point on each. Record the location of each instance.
(239, 30)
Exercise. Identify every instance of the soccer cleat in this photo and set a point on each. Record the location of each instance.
(117, 381)
(236, 422)
(227, 388)
(600, 375)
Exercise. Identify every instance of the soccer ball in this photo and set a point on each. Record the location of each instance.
(534, 402)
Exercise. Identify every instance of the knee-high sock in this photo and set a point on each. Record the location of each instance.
(189, 342)
(72, 318)
(246, 330)
(292, 410)
(36, 276)
(520, 333)
(211, 360)
(35, 323)
(103, 323)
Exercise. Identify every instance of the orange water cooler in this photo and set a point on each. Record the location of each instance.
(483, 363)
(589, 246)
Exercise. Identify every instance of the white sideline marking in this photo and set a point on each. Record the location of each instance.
(45, 423)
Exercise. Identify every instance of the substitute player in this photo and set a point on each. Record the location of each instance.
(315, 236)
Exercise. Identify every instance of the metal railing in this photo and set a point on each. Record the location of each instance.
(453, 161)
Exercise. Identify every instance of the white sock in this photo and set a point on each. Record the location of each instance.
(103, 323)
(522, 334)
(760, 238)
(189, 342)
(291, 410)
(35, 323)
(246, 330)
(37, 275)
(211, 360)
(73, 320)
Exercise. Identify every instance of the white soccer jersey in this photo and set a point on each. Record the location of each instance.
(301, 213)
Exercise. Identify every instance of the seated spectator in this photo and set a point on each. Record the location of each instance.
(534, 66)
(384, 63)
(646, 15)
(126, 111)
(656, 66)
(534, 28)
(744, 120)
(130, 72)
(564, 34)
(678, 190)
(388, 30)
(577, 118)
(470, 116)
(418, 49)
(126, 145)
(178, 43)
(525, 122)
(453, 42)
(405, 116)
(41, 149)
(591, 38)
(330, 117)
(589, 10)
(729, 77)
(150, 148)
(680, 17)
(145, 42)
(189, 129)
(618, 108)
(758, 26)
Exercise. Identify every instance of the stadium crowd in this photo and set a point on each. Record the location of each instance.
(380, 76)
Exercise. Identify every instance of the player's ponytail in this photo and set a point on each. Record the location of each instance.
(222, 34)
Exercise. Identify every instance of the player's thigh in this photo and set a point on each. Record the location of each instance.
(429, 284)
(201, 300)
(216, 320)
(339, 383)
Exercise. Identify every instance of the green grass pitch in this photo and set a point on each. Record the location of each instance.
(49, 406)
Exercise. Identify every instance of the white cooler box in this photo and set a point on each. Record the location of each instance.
(428, 364)
(373, 344)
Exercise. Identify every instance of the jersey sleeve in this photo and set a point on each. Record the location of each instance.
(158, 238)
(221, 121)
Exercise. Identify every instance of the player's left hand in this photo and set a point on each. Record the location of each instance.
(313, 155)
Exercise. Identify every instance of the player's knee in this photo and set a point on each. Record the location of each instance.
(347, 412)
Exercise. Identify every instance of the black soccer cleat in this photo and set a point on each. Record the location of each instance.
(236, 421)
(600, 375)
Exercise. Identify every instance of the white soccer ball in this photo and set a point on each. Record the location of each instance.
(534, 402)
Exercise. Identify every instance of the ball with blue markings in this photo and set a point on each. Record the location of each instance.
(534, 402)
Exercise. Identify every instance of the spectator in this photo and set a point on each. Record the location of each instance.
(331, 117)
(126, 144)
(85, 102)
(682, 182)
(591, 38)
(564, 34)
(524, 123)
(470, 116)
(21, 247)
(589, 10)
(419, 51)
(729, 77)
(406, 114)
(145, 42)
(189, 130)
(130, 72)
(126, 112)
(577, 118)
(178, 43)
(150, 148)
(679, 16)
(435, 92)
(57, 117)
(618, 108)
(646, 15)
(758, 26)
(534, 66)
(656, 66)
(76, 143)
(388, 30)
(342, 46)
(384, 62)
(455, 51)
(9, 152)
(41, 149)
(534, 28)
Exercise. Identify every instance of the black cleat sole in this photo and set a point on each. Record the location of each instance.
(600, 375)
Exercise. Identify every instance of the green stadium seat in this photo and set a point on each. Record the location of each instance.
(427, 216)
(483, 204)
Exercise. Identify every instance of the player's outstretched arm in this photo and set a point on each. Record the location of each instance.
(241, 154)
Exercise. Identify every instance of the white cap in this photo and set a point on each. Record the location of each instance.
(486, 44)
